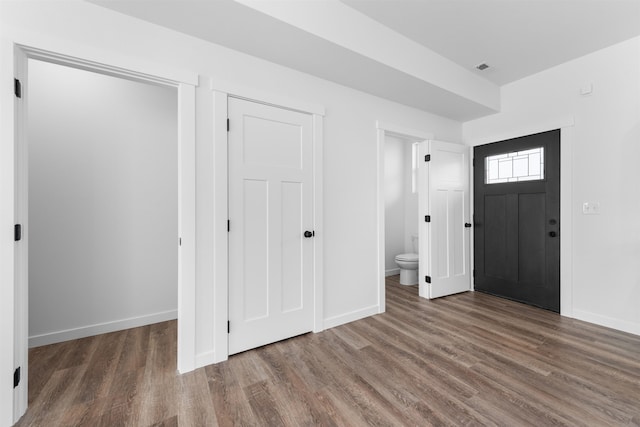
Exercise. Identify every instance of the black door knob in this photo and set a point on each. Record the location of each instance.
(467, 225)
(552, 234)
(308, 234)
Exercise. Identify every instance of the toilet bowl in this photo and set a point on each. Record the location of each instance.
(408, 264)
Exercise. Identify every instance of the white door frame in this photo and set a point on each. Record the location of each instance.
(222, 90)
(15, 185)
(384, 129)
(565, 124)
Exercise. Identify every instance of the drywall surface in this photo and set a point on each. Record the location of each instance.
(103, 203)
(604, 158)
(411, 213)
(394, 192)
(350, 163)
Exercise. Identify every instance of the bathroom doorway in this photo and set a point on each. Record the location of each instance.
(435, 179)
(401, 208)
(398, 214)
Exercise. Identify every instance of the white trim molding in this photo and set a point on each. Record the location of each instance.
(82, 56)
(265, 97)
(318, 222)
(220, 234)
(392, 272)
(525, 129)
(186, 228)
(352, 316)
(101, 328)
(206, 358)
(607, 322)
(405, 132)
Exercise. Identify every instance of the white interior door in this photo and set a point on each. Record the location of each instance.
(445, 225)
(270, 209)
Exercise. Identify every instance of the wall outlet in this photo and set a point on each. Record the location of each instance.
(591, 208)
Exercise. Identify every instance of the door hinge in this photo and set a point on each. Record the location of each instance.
(17, 232)
(427, 158)
(17, 88)
(179, 241)
(427, 279)
(228, 327)
(228, 126)
(228, 225)
(16, 377)
(427, 218)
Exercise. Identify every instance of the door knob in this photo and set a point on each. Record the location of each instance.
(309, 234)
(552, 234)
(467, 225)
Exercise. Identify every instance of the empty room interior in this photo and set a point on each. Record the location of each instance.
(331, 212)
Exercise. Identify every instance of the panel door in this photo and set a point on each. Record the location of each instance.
(517, 219)
(444, 258)
(270, 208)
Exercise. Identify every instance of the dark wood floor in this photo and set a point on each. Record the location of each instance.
(468, 359)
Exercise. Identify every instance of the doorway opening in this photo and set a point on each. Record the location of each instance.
(443, 223)
(398, 205)
(103, 203)
(401, 208)
(177, 171)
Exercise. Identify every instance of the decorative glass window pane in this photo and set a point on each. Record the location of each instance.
(414, 166)
(527, 165)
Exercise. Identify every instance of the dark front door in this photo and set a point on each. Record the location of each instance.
(517, 219)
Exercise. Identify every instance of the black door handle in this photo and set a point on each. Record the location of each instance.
(467, 225)
(309, 234)
(552, 234)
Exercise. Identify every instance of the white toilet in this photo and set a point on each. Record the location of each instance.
(408, 264)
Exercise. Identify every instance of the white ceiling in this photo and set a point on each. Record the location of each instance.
(517, 38)
(422, 52)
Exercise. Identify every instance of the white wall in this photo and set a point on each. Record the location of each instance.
(350, 257)
(103, 215)
(410, 202)
(401, 204)
(394, 207)
(605, 152)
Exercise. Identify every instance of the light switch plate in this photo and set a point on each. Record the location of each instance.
(591, 208)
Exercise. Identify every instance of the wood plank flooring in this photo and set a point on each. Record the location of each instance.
(468, 359)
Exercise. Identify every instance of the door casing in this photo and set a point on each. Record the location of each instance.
(109, 64)
(221, 92)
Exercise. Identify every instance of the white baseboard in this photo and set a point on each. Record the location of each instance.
(101, 328)
(609, 322)
(392, 272)
(350, 317)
